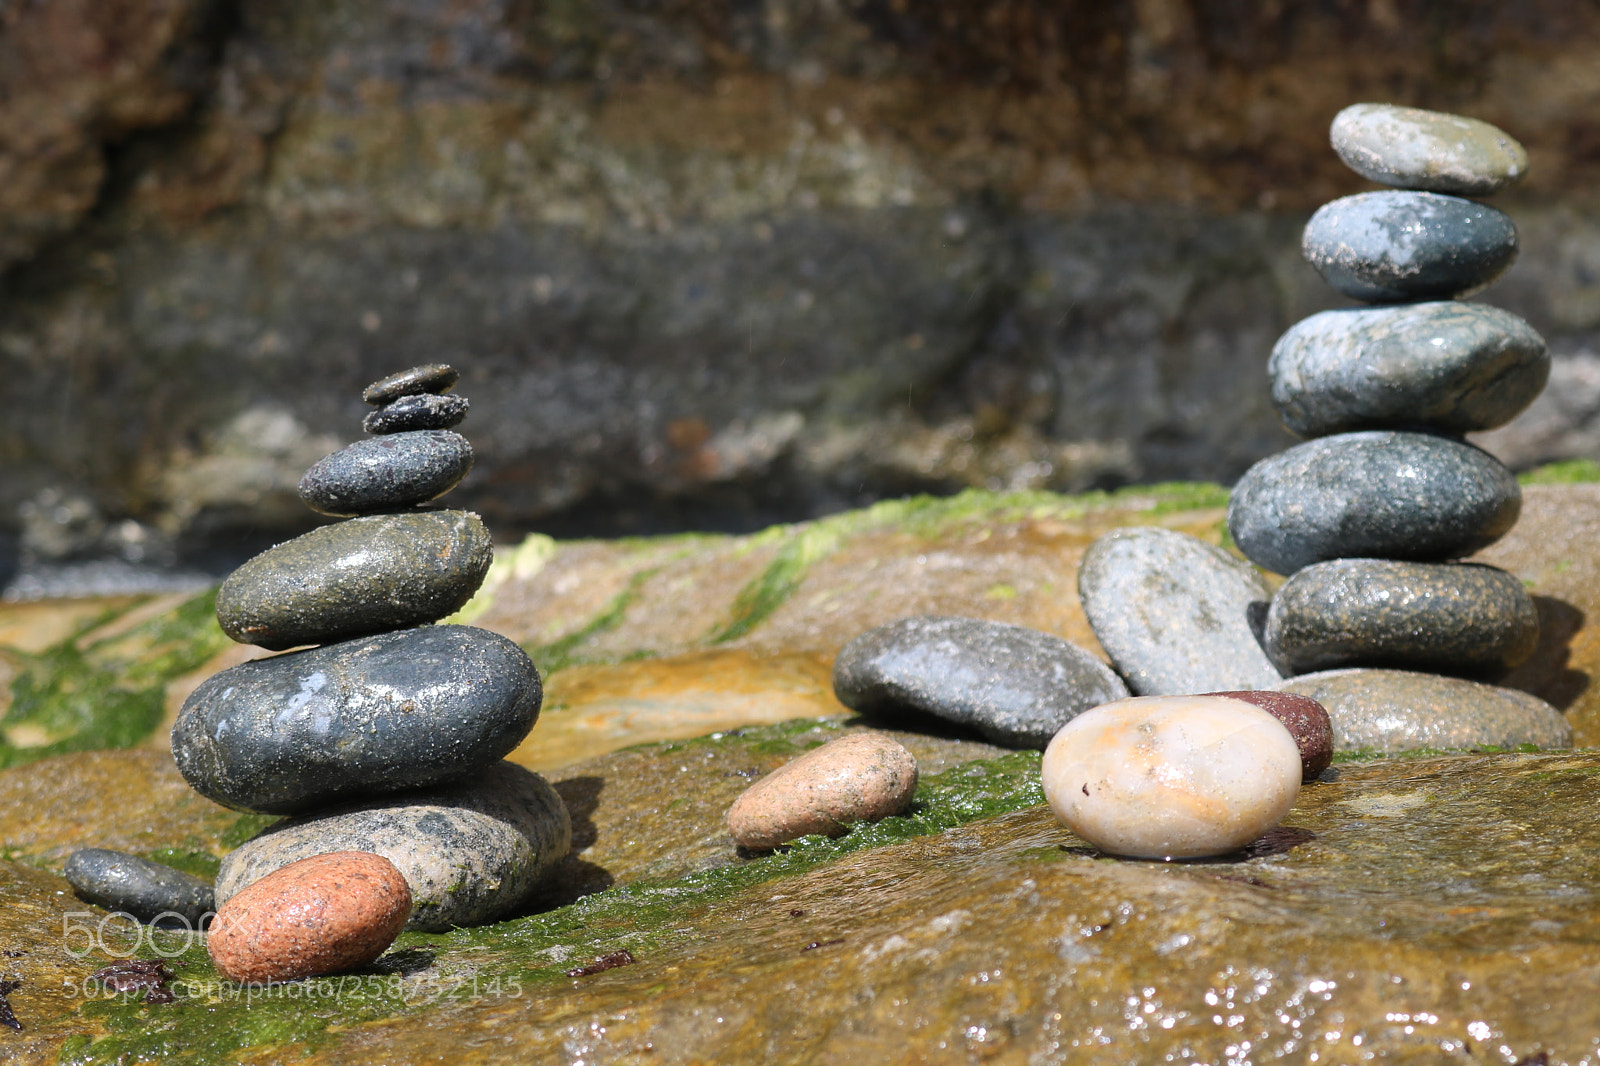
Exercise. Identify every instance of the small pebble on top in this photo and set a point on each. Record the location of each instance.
(430, 378)
(1416, 149)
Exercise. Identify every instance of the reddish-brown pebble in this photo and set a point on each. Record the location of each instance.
(319, 915)
(857, 778)
(1305, 719)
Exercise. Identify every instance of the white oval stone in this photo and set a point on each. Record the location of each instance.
(1172, 777)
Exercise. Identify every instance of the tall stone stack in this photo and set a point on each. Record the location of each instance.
(389, 735)
(1366, 518)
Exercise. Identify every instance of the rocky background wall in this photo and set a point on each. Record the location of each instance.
(711, 263)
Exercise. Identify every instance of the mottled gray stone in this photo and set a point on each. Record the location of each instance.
(1455, 367)
(148, 890)
(428, 378)
(1173, 612)
(1431, 150)
(424, 411)
(380, 714)
(1015, 686)
(388, 472)
(1457, 618)
(472, 853)
(365, 575)
(1387, 246)
(1398, 710)
(1378, 494)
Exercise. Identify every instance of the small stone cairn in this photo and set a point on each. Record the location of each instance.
(388, 736)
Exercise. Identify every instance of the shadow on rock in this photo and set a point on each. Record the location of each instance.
(573, 878)
(1546, 673)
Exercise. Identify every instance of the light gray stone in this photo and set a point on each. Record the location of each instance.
(1416, 149)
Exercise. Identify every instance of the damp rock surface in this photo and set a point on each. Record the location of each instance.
(365, 575)
(857, 778)
(1417, 149)
(387, 473)
(1173, 612)
(386, 713)
(146, 889)
(1016, 686)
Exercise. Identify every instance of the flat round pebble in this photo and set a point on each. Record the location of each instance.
(401, 710)
(1383, 711)
(1172, 777)
(428, 378)
(417, 412)
(387, 473)
(1376, 494)
(857, 778)
(471, 853)
(148, 890)
(1416, 149)
(1452, 366)
(1305, 719)
(1381, 247)
(1173, 612)
(320, 915)
(365, 575)
(1455, 618)
(1015, 686)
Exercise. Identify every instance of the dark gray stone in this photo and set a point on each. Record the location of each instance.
(1377, 494)
(1398, 710)
(1386, 246)
(386, 473)
(365, 575)
(1456, 618)
(381, 714)
(1173, 612)
(430, 378)
(417, 412)
(471, 853)
(145, 889)
(1456, 367)
(1431, 150)
(1015, 686)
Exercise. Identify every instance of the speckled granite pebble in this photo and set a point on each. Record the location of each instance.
(320, 915)
(1173, 612)
(1398, 710)
(1386, 246)
(1172, 777)
(148, 890)
(471, 853)
(1305, 719)
(1451, 366)
(424, 411)
(1454, 618)
(1416, 149)
(858, 778)
(377, 714)
(1377, 494)
(387, 473)
(366, 575)
(429, 378)
(1014, 685)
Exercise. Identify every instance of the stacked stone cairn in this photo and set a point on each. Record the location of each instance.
(1369, 517)
(388, 736)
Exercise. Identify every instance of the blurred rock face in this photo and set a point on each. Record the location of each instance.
(721, 263)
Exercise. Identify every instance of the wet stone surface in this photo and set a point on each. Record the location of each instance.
(1453, 618)
(386, 713)
(471, 852)
(1173, 612)
(148, 890)
(1014, 686)
(417, 412)
(1454, 367)
(1375, 710)
(428, 378)
(1377, 494)
(365, 575)
(387, 473)
(1416, 149)
(1386, 246)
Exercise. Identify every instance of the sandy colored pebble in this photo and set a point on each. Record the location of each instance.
(857, 778)
(1172, 777)
(319, 915)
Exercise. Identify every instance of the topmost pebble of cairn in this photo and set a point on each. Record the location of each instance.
(1410, 148)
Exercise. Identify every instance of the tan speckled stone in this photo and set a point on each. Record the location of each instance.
(319, 915)
(857, 778)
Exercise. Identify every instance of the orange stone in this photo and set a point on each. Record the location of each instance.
(858, 778)
(319, 915)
